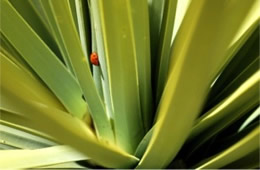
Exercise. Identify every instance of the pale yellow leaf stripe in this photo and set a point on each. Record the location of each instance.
(25, 158)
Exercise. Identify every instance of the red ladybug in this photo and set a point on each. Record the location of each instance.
(94, 59)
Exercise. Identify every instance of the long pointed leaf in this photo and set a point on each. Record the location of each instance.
(189, 79)
(165, 45)
(60, 9)
(38, 157)
(41, 59)
(246, 145)
(77, 134)
(120, 53)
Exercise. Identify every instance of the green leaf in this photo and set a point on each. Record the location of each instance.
(55, 33)
(250, 119)
(17, 121)
(43, 61)
(120, 56)
(6, 147)
(98, 46)
(250, 161)
(32, 17)
(243, 147)
(21, 82)
(67, 165)
(38, 8)
(9, 51)
(21, 139)
(181, 9)
(244, 63)
(165, 45)
(144, 143)
(196, 63)
(140, 24)
(83, 25)
(97, 72)
(225, 113)
(60, 9)
(244, 98)
(192, 65)
(38, 157)
(74, 13)
(77, 134)
(156, 9)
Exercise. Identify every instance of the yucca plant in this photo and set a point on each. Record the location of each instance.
(129, 84)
